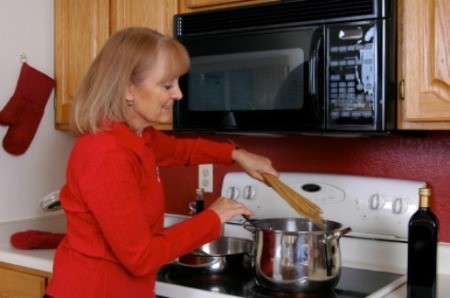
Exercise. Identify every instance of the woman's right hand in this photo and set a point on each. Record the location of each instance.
(227, 209)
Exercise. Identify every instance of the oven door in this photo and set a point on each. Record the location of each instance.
(253, 81)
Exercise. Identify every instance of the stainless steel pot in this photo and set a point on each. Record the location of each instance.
(294, 255)
(224, 256)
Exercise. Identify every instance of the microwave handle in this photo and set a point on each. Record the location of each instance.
(315, 72)
(314, 64)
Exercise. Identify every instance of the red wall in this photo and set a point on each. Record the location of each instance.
(416, 158)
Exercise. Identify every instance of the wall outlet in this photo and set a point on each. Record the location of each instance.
(205, 177)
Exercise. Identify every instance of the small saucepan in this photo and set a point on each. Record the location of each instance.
(223, 256)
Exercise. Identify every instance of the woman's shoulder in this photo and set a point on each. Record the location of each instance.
(115, 138)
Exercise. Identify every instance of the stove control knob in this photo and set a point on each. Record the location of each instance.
(249, 192)
(376, 202)
(399, 206)
(233, 193)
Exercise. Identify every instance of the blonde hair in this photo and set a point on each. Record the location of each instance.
(128, 56)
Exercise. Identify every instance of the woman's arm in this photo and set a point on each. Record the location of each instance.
(189, 151)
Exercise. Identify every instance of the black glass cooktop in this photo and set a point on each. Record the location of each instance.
(353, 283)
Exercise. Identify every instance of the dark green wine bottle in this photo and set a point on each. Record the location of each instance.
(422, 249)
(199, 200)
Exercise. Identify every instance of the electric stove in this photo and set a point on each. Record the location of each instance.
(373, 254)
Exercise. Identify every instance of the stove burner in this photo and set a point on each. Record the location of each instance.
(180, 274)
(238, 284)
(352, 283)
(261, 292)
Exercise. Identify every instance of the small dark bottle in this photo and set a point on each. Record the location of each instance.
(199, 200)
(422, 249)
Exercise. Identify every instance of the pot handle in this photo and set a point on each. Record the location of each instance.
(248, 225)
(337, 234)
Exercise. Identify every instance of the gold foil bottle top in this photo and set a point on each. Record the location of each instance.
(199, 191)
(424, 191)
(424, 194)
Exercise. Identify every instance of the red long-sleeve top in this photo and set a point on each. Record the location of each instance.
(114, 203)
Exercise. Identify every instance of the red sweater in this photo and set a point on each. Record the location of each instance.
(114, 203)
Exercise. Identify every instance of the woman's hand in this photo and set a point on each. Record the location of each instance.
(227, 209)
(253, 164)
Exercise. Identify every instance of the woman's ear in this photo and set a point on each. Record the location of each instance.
(129, 91)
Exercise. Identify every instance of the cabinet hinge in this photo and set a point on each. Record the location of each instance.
(402, 89)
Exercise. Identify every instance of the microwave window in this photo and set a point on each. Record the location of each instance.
(249, 81)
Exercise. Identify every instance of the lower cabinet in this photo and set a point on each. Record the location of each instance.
(21, 282)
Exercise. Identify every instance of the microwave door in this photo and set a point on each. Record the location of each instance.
(271, 81)
(228, 121)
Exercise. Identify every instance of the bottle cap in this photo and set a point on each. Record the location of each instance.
(425, 191)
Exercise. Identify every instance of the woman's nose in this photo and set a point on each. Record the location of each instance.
(177, 94)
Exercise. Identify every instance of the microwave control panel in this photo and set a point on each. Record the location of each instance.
(352, 75)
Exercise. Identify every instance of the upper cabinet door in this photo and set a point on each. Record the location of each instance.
(157, 15)
(81, 29)
(198, 5)
(426, 65)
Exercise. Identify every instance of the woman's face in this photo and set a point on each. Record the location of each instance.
(153, 99)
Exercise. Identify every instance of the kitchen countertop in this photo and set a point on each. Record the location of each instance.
(39, 259)
(42, 259)
(443, 282)
(442, 292)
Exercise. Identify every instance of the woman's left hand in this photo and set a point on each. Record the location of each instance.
(253, 164)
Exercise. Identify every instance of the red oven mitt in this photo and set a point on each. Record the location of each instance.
(36, 239)
(25, 109)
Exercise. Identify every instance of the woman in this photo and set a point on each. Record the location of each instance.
(113, 197)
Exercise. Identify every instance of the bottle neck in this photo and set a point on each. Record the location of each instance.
(424, 202)
(199, 194)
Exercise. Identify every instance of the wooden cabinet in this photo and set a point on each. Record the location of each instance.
(198, 5)
(126, 13)
(148, 13)
(424, 37)
(81, 29)
(21, 282)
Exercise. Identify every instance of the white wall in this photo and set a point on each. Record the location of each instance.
(26, 26)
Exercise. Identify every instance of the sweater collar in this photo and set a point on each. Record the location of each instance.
(129, 138)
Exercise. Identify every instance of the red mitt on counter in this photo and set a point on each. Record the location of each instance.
(36, 239)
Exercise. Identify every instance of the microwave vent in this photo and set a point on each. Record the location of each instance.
(278, 14)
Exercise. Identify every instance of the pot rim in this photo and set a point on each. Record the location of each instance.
(245, 247)
(336, 226)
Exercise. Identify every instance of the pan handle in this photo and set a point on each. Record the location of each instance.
(207, 263)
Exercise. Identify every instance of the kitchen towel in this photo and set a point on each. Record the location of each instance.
(25, 109)
(36, 239)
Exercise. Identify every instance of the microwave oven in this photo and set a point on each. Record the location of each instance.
(312, 66)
